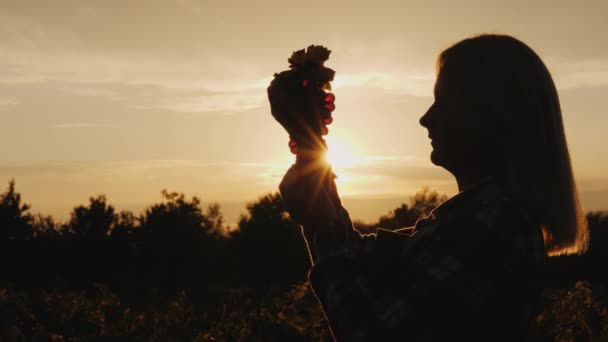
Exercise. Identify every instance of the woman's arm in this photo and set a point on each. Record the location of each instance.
(311, 197)
(474, 282)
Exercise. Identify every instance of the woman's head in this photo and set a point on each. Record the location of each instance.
(496, 108)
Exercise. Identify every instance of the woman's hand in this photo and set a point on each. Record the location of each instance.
(311, 198)
(309, 193)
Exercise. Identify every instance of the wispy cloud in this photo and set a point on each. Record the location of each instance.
(585, 73)
(146, 86)
(83, 125)
(140, 181)
(412, 82)
(7, 103)
(215, 103)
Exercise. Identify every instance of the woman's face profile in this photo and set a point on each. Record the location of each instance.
(459, 139)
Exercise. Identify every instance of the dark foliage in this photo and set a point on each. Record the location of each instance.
(271, 242)
(175, 272)
(406, 215)
(15, 220)
(567, 269)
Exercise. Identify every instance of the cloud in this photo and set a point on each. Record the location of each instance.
(7, 103)
(137, 84)
(138, 168)
(70, 125)
(377, 185)
(143, 66)
(264, 171)
(188, 79)
(584, 73)
(413, 83)
(383, 176)
(213, 103)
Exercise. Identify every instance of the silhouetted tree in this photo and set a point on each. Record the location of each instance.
(179, 240)
(94, 221)
(364, 227)
(598, 228)
(45, 226)
(15, 220)
(179, 216)
(271, 242)
(418, 206)
(216, 220)
(125, 226)
(177, 244)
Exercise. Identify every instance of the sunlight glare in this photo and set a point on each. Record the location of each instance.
(339, 155)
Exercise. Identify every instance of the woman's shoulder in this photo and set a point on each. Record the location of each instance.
(485, 210)
(503, 223)
(489, 204)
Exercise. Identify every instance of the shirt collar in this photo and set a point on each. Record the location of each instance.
(485, 186)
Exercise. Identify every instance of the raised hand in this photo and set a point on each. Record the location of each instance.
(309, 193)
(300, 102)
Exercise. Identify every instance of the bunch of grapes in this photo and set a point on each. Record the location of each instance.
(301, 101)
(328, 106)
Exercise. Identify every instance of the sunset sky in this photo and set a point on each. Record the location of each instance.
(126, 98)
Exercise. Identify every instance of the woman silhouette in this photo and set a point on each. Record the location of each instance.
(471, 269)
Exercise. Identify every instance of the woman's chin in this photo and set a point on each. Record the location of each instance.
(439, 160)
(435, 158)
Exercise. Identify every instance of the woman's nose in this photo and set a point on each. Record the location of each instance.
(424, 120)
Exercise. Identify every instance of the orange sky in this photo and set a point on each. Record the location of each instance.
(129, 98)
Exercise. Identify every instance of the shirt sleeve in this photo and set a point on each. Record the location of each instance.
(433, 283)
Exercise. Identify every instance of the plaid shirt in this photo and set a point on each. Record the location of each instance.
(469, 271)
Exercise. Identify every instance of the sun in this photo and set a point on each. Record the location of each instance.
(339, 155)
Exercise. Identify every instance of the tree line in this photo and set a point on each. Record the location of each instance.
(175, 272)
(178, 243)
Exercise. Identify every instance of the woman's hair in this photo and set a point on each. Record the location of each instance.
(506, 80)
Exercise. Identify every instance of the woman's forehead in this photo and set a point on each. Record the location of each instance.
(453, 80)
(446, 84)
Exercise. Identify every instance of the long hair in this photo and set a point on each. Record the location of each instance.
(508, 82)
